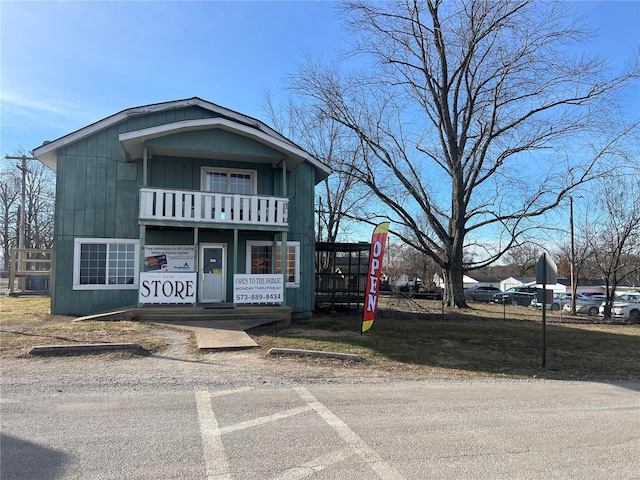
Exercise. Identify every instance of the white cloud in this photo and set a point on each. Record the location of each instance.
(14, 103)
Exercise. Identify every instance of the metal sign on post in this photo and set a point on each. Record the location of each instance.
(546, 270)
(546, 273)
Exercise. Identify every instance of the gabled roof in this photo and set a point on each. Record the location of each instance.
(227, 119)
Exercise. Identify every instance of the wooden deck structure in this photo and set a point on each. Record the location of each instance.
(341, 273)
(31, 267)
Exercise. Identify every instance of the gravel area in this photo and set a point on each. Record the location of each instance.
(180, 366)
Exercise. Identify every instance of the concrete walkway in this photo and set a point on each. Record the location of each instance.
(210, 335)
(219, 334)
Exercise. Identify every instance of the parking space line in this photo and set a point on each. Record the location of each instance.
(262, 420)
(213, 451)
(317, 464)
(221, 393)
(382, 468)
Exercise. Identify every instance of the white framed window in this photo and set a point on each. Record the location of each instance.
(226, 180)
(260, 260)
(105, 264)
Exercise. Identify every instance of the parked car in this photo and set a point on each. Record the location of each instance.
(625, 306)
(516, 296)
(558, 302)
(587, 304)
(481, 293)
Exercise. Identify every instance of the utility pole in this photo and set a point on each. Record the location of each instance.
(573, 260)
(23, 200)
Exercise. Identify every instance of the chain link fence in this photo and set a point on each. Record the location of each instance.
(437, 305)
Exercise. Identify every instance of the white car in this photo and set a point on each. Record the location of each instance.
(626, 306)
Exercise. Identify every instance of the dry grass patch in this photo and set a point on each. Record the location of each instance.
(470, 342)
(26, 322)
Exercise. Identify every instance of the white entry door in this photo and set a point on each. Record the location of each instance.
(212, 273)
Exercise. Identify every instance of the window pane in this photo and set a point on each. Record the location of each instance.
(291, 263)
(121, 263)
(240, 183)
(216, 182)
(260, 259)
(92, 263)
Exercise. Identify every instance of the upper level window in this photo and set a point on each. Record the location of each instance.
(229, 181)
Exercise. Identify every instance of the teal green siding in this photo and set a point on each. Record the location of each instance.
(97, 197)
(300, 188)
(215, 140)
(185, 173)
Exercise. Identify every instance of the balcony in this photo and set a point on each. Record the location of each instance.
(164, 206)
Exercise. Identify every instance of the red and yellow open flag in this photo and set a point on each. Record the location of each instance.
(378, 242)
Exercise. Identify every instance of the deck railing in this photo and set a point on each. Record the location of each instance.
(195, 206)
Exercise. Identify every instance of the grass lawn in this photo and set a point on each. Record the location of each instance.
(26, 322)
(481, 341)
(485, 340)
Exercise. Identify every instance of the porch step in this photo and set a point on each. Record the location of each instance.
(157, 313)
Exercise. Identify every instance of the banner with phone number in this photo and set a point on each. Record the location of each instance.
(251, 288)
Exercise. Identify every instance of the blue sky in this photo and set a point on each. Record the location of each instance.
(68, 64)
(65, 65)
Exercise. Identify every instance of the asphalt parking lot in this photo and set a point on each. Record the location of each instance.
(240, 415)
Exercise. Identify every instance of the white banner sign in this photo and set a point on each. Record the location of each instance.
(166, 287)
(257, 288)
(169, 258)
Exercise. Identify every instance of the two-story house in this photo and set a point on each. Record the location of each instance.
(183, 202)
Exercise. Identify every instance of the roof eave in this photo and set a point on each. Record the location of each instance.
(47, 153)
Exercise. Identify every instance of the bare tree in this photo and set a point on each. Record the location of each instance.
(467, 113)
(339, 197)
(523, 258)
(9, 204)
(394, 265)
(39, 189)
(39, 208)
(614, 232)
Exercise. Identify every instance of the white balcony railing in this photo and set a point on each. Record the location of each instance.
(191, 206)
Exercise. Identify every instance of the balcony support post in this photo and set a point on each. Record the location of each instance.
(196, 262)
(143, 240)
(283, 240)
(284, 177)
(235, 259)
(145, 169)
(283, 266)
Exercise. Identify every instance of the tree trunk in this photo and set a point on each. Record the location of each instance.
(454, 285)
(609, 297)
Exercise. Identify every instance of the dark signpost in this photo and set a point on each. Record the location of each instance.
(546, 274)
